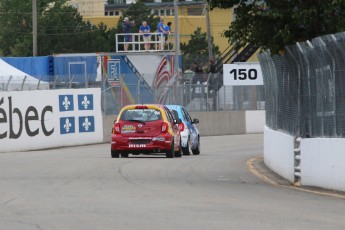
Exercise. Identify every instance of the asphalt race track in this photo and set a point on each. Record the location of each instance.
(84, 188)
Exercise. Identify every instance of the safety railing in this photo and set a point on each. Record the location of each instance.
(158, 42)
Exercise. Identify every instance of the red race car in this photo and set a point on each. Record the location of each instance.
(146, 129)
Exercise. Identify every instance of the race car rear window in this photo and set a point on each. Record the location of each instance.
(141, 115)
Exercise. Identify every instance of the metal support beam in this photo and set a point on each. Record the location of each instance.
(208, 27)
(177, 40)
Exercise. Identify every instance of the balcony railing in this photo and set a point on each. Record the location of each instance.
(136, 43)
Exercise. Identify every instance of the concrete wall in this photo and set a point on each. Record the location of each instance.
(323, 163)
(220, 123)
(255, 121)
(108, 124)
(279, 153)
(213, 123)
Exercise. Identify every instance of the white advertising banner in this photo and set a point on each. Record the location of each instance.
(242, 73)
(31, 120)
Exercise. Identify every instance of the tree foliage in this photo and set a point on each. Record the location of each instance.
(196, 50)
(272, 24)
(61, 29)
(139, 12)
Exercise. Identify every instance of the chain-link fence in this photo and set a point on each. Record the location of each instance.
(304, 88)
(204, 96)
(195, 97)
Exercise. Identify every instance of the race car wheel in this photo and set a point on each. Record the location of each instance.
(115, 154)
(125, 155)
(185, 150)
(170, 153)
(178, 153)
(196, 151)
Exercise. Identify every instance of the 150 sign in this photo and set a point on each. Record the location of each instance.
(242, 74)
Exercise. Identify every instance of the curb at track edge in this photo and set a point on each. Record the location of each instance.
(251, 167)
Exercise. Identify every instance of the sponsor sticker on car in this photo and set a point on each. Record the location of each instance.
(136, 145)
(128, 129)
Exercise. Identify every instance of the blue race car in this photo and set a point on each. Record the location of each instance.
(190, 137)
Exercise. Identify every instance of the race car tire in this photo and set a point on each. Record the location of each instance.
(185, 150)
(196, 151)
(170, 153)
(115, 154)
(125, 155)
(178, 153)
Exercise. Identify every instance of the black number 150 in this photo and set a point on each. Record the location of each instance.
(243, 74)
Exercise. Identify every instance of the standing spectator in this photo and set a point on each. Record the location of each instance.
(188, 76)
(211, 67)
(198, 74)
(212, 83)
(211, 70)
(126, 28)
(167, 30)
(145, 29)
(161, 31)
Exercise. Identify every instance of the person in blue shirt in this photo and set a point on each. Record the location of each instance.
(161, 31)
(145, 29)
(167, 30)
(126, 28)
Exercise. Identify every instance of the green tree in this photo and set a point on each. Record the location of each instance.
(61, 29)
(197, 49)
(272, 24)
(16, 27)
(139, 12)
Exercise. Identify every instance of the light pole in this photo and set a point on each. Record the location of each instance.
(209, 37)
(34, 27)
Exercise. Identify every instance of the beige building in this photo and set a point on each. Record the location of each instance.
(89, 8)
(190, 15)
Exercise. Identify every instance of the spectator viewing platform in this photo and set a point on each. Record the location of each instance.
(136, 44)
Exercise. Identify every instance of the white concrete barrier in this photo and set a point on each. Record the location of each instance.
(255, 121)
(279, 153)
(31, 120)
(323, 163)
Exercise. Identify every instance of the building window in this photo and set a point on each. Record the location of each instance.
(167, 12)
(194, 11)
(162, 13)
(111, 13)
(156, 12)
(172, 12)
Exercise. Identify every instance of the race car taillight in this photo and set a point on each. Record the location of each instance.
(164, 127)
(117, 128)
(181, 126)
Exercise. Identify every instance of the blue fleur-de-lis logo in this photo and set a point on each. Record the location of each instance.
(66, 103)
(85, 102)
(67, 126)
(86, 124)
